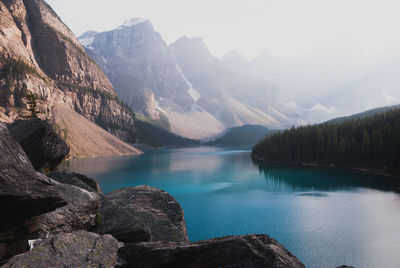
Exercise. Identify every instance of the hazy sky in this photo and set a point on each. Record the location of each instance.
(285, 27)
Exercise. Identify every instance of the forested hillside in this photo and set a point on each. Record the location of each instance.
(241, 136)
(372, 142)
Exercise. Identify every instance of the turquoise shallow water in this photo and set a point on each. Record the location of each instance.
(326, 217)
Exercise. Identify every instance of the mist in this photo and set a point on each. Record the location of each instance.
(327, 58)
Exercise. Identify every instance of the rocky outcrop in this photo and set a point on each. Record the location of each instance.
(121, 222)
(79, 214)
(145, 75)
(23, 194)
(41, 143)
(21, 188)
(158, 211)
(140, 66)
(78, 180)
(235, 251)
(39, 54)
(77, 249)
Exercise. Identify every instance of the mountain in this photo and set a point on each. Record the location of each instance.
(341, 80)
(182, 82)
(45, 72)
(364, 142)
(41, 55)
(364, 114)
(234, 97)
(241, 136)
(43, 65)
(141, 67)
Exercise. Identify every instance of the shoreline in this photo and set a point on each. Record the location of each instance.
(305, 164)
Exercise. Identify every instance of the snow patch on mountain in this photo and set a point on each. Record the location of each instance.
(86, 42)
(133, 22)
(322, 108)
(390, 100)
(192, 91)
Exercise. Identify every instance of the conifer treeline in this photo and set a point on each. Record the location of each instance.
(372, 142)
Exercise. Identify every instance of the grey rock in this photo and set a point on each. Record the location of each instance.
(79, 214)
(234, 251)
(23, 194)
(345, 266)
(77, 249)
(142, 69)
(158, 211)
(121, 222)
(78, 180)
(21, 188)
(44, 147)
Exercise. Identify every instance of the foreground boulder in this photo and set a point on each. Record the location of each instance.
(77, 249)
(77, 180)
(235, 251)
(79, 213)
(21, 188)
(155, 209)
(121, 222)
(44, 147)
(23, 194)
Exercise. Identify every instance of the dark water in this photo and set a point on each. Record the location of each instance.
(326, 217)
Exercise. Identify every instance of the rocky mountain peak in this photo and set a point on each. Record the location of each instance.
(133, 22)
(41, 55)
(193, 44)
(234, 57)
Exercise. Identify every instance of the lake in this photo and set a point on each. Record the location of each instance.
(326, 217)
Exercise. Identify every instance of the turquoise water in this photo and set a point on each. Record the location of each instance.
(326, 217)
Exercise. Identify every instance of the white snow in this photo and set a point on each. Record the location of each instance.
(87, 41)
(192, 91)
(390, 100)
(133, 22)
(105, 61)
(322, 108)
(159, 107)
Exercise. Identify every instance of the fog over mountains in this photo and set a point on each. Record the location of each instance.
(201, 95)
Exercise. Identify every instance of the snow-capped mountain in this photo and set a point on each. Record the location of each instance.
(198, 94)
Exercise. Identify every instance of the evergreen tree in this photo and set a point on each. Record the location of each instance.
(371, 142)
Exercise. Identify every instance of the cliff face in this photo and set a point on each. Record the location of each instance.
(140, 66)
(39, 54)
(144, 72)
(199, 94)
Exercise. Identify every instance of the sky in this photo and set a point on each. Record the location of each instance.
(286, 28)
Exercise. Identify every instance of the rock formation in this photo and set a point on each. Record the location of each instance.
(77, 249)
(41, 143)
(23, 194)
(158, 211)
(250, 251)
(200, 95)
(41, 57)
(78, 180)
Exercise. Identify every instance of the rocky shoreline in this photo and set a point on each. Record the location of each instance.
(62, 219)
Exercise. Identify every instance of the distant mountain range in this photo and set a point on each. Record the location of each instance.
(362, 115)
(246, 135)
(199, 94)
(41, 57)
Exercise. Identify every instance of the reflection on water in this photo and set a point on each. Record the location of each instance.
(324, 179)
(326, 217)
